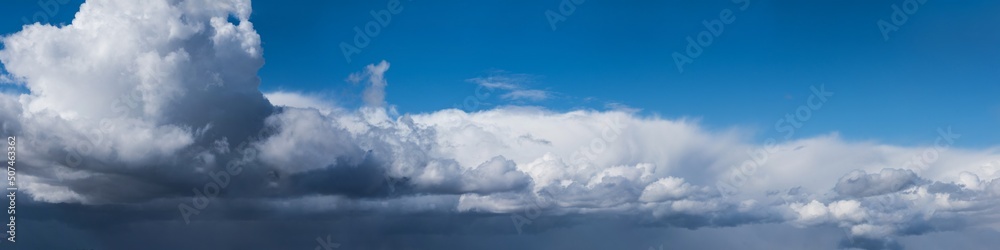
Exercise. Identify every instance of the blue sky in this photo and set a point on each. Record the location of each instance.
(939, 69)
(150, 117)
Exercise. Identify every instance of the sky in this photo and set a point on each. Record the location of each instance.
(938, 73)
(400, 124)
(937, 70)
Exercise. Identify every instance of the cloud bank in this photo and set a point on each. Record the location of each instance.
(146, 116)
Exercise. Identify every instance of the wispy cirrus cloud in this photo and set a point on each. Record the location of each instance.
(527, 94)
(513, 86)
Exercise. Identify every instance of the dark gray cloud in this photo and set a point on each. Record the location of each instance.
(860, 184)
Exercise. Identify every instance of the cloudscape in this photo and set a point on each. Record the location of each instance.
(563, 124)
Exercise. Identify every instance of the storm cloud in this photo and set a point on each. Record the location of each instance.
(143, 128)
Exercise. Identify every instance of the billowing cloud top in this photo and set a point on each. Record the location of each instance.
(147, 115)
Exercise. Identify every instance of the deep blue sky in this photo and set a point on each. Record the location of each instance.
(941, 68)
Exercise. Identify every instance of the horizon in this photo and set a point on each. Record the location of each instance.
(400, 124)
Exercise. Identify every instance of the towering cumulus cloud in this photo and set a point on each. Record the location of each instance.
(143, 128)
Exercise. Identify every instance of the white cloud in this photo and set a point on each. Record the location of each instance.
(527, 94)
(810, 214)
(665, 189)
(131, 85)
(501, 81)
(374, 95)
(302, 101)
(154, 94)
(512, 86)
(847, 210)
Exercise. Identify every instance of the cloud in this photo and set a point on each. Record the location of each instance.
(7, 79)
(133, 108)
(530, 95)
(859, 184)
(512, 86)
(501, 81)
(847, 210)
(665, 189)
(126, 89)
(810, 214)
(374, 94)
(302, 101)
